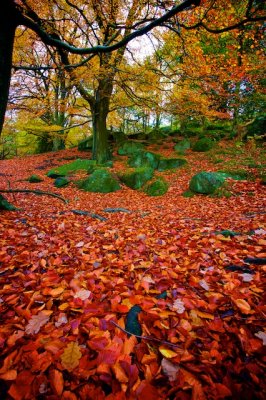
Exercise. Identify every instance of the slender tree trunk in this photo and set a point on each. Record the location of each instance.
(158, 120)
(7, 35)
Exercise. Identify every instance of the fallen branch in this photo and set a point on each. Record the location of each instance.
(92, 215)
(38, 192)
(152, 339)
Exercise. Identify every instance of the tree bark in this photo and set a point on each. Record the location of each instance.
(100, 111)
(8, 25)
(100, 150)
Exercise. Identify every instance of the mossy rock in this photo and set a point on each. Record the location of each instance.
(136, 178)
(130, 147)
(65, 169)
(170, 163)
(182, 146)
(206, 182)
(100, 181)
(61, 182)
(240, 175)
(119, 136)
(188, 194)
(156, 135)
(34, 179)
(144, 158)
(204, 144)
(85, 144)
(5, 205)
(158, 187)
(93, 167)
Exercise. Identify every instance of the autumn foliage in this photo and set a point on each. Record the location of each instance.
(68, 282)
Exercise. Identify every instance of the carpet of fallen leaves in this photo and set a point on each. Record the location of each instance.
(67, 281)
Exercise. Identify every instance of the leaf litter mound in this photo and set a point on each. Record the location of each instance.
(69, 280)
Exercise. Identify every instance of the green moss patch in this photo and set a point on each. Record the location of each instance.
(61, 181)
(65, 169)
(203, 145)
(85, 144)
(100, 181)
(34, 179)
(136, 178)
(206, 182)
(5, 205)
(170, 163)
(237, 175)
(158, 187)
(182, 146)
(144, 159)
(130, 147)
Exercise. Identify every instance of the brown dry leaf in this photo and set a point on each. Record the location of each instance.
(261, 335)
(57, 291)
(170, 369)
(82, 294)
(202, 314)
(13, 338)
(9, 375)
(37, 321)
(243, 306)
(119, 372)
(71, 356)
(179, 306)
(129, 345)
(57, 381)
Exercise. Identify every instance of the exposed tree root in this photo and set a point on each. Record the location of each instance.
(38, 192)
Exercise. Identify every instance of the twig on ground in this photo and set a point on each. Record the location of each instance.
(152, 339)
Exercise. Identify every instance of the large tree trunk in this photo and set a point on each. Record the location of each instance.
(100, 110)
(7, 34)
(100, 150)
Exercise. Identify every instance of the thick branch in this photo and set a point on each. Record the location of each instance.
(50, 40)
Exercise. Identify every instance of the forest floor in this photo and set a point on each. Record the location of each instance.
(68, 282)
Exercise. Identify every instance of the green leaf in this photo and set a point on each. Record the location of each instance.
(132, 324)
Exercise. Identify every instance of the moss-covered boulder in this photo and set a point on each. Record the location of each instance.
(144, 159)
(130, 147)
(182, 146)
(238, 175)
(203, 144)
(61, 181)
(93, 167)
(34, 179)
(157, 187)
(136, 178)
(206, 182)
(118, 136)
(170, 163)
(65, 169)
(5, 205)
(100, 181)
(85, 144)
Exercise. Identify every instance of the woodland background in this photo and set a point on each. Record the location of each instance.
(132, 223)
